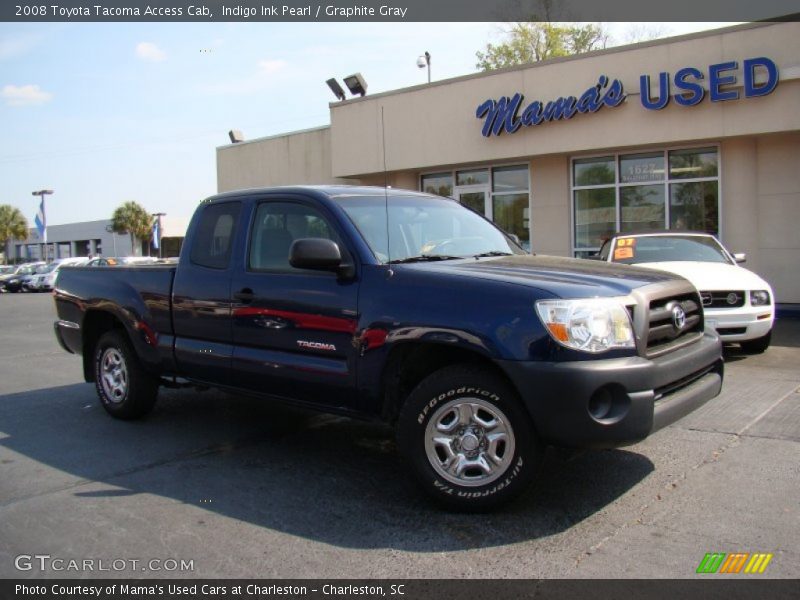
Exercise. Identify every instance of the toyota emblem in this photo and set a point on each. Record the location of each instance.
(732, 298)
(678, 317)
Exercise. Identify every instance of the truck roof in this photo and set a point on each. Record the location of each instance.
(329, 191)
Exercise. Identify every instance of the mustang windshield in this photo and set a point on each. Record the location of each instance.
(668, 248)
(423, 228)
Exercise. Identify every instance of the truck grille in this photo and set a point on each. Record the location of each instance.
(724, 299)
(673, 321)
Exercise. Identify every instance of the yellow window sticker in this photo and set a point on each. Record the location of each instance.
(623, 253)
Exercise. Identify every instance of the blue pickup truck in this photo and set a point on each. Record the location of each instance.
(406, 308)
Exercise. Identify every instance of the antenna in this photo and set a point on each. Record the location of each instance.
(386, 195)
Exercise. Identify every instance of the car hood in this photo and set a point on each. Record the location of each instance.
(707, 276)
(563, 277)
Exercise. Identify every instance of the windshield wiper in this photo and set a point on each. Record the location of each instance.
(424, 258)
(493, 253)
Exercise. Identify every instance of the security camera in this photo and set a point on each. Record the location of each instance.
(421, 62)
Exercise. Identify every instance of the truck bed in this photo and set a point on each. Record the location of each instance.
(139, 296)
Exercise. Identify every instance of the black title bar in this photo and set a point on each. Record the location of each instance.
(394, 10)
(710, 587)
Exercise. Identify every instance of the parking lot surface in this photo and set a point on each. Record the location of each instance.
(246, 488)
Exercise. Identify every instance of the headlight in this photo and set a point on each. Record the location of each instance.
(759, 298)
(591, 325)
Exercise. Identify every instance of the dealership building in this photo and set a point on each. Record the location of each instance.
(93, 238)
(697, 132)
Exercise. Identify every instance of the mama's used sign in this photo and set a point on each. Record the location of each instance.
(509, 113)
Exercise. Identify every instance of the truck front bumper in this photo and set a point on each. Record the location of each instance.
(606, 403)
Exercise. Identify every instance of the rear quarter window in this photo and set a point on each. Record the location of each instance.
(213, 237)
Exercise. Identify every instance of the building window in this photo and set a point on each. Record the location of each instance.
(440, 184)
(501, 194)
(510, 201)
(670, 189)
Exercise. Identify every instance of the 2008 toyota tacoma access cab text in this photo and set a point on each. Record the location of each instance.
(406, 308)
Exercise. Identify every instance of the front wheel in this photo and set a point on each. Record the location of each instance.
(125, 389)
(468, 439)
(758, 345)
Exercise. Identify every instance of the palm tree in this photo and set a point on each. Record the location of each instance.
(13, 226)
(133, 219)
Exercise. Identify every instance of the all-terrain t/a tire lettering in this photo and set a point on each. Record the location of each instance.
(468, 439)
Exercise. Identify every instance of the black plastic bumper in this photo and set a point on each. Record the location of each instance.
(68, 335)
(605, 403)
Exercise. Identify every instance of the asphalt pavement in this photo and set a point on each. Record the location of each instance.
(239, 487)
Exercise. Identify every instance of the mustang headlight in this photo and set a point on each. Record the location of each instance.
(591, 324)
(759, 298)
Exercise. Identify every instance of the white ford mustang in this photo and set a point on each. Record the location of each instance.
(737, 303)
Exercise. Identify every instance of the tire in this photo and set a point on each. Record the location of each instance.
(444, 430)
(758, 345)
(125, 389)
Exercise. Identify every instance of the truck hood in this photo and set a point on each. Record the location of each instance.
(562, 277)
(707, 276)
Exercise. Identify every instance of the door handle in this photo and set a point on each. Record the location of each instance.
(245, 295)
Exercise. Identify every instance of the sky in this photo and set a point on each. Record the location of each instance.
(103, 113)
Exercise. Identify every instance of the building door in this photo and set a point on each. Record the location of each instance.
(476, 197)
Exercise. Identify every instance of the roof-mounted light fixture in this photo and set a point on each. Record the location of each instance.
(356, 84)
(336, 88)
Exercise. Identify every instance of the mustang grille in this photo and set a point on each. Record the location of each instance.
(724, 299)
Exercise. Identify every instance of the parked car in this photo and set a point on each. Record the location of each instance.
(16, 281)
(44, 279)
(405, 308)
(5, 270)
(739, 304)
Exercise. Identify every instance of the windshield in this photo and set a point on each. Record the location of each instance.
(423, 226)
(668, 248)
(47, 268)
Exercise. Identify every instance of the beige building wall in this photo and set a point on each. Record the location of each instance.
(435, 124)
(778, 208)
(550, 206)
(292, 159)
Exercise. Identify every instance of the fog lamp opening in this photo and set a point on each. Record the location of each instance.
(609, 404)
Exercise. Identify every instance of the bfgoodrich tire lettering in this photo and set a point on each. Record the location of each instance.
(125, 389)
(468, 439)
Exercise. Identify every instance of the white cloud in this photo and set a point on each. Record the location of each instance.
(149, 51)
(258, 81)
(24, 95)
(17, 45)
(271, 66)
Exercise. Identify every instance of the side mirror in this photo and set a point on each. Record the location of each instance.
(319, 254)
(740, 257)
(515, 238)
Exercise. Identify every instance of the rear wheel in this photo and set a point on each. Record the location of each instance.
(758, 345)
(125, 389)
(468, 440)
